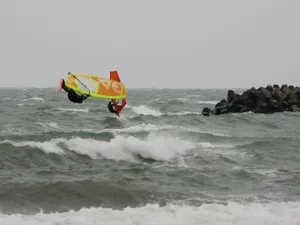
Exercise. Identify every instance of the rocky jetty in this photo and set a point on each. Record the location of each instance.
(269, 99)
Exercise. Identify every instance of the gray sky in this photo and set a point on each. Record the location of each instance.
(157, 43)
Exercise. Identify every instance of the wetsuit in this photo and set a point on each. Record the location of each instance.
(111, 108)
(76, 98)
(72, 95)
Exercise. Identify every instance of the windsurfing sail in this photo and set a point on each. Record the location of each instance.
(114, 76)
(97, 87)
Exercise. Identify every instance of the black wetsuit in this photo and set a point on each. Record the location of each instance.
(73, 96)
(110, 107)
(76, 98)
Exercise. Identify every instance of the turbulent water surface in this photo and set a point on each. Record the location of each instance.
(161, 162)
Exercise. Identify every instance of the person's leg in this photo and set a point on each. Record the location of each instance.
(63, 85)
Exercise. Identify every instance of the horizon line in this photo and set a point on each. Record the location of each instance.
(128, 88)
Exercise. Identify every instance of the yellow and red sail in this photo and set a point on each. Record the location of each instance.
(97, 87)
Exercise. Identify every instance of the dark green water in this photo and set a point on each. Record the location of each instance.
(161, 162)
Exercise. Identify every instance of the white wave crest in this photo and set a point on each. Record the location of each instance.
(145, 110)
(208, 214)
(148, 127)
(34, 99)
(72, 110)
(186, 113)
(142, 127)
(208, 102)
(47, 146)
(157, 147)
(180, 99)
(154, 100)
(48, 125)
(126, 148)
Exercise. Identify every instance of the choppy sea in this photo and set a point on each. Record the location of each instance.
(161, 162)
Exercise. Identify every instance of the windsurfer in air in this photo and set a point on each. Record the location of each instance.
(112, 109)
(72, 95)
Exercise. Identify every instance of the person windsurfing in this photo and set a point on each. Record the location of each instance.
(114, 107)
(72, 95)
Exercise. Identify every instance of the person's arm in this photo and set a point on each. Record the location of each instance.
(114, 102)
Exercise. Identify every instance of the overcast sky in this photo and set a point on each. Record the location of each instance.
(157, 43)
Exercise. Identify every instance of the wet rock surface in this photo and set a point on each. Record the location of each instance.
(269, 99)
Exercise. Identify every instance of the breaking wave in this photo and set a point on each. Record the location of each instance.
(154, 147)
(209, 214)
